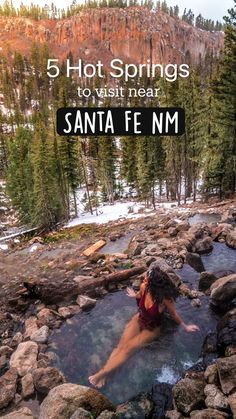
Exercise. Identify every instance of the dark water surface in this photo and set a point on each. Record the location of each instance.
(83, 343)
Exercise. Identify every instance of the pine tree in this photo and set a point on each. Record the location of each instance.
(19, 173)
(106, 166)
(48, 207)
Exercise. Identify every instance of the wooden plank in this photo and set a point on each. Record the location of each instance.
(96, 246)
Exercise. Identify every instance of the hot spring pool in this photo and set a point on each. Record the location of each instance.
(83, 343)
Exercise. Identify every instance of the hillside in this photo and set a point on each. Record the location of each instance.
(133, 34)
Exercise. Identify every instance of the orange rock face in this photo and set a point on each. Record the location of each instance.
(132, 34)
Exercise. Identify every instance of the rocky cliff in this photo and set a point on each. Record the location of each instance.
(132, 34)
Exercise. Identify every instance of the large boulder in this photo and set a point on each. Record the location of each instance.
(189, 395)
(231, 239)
(22, 413)
(211, 374)
(194, 260)
(227, 374)
(223, 291)
(226, 330)
(204, 245)
(24, 359)
(215, 399)
(62, 401)
(8, 387)
(206, 280)
(47, 378)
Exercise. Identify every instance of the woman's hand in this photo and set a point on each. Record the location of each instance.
(191, 328)
(130, 292)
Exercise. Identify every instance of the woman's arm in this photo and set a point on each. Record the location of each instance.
(172, 310)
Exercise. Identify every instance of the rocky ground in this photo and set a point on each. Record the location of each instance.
(47, 280)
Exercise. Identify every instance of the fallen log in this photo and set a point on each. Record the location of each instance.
(124, 274)
(63, 289)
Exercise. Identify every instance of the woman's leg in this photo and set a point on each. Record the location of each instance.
(124, 352)
(131, 330)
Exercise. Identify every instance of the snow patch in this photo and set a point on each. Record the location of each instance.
(3, 247)
(107, 213)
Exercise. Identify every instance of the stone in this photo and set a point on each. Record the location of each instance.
(62, 401)
(206, 280)
(211, 374)
(24, 359)
(17, 338)
(81, 414)
(226, 330)
(231, 239)
(17, 399)
(22, 413)
(152, 250)
(189, 395)
(41, 335)
(31, 326)
(27, 385)
(223, 291)
(208, 414)
(172, 231)
(215, 399)
(194, 260)
(8, 387)
(173, 414)
(204, 245)
(5, 350)
(47, 378)
(135, 248)
(232, 403)
(196, 302)
(64, 312)
(46, 317)
(106, 414)
(230, 350)
(85, 302)
(140, 406)
(227, 374)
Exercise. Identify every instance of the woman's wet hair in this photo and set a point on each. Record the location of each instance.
(160, 286)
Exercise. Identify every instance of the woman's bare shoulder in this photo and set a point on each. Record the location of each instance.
(168, 302)
(142, 288)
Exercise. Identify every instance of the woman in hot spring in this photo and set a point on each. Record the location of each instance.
(156, 294)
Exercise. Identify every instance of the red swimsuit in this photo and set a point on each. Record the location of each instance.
(148, 318)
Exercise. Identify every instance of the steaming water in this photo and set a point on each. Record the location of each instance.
(204, 218)
(82, 345)
(117, 246)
